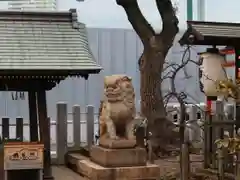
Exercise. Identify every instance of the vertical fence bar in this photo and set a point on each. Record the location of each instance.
(220, 117)
(169, 110)
(207, 139)
(221, 153)
(202, 117)
(220, 164)
(178, 114)
(193, 124)
(219, 132)
(230, 117)
(76, 126)
(61, 132)
(5, 128)
(213, 137)
(19, 129)
(90, 126)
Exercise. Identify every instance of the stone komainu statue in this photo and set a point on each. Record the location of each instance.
(117, 109)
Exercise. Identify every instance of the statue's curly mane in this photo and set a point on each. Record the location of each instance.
(120, 89)
(119, 93)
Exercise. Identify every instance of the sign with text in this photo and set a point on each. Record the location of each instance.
(18, 156)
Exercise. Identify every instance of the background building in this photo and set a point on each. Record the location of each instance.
(117, 51)
(41, 5)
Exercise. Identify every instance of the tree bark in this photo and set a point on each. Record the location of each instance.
(152, 106)
(151, 62)
(150, 78)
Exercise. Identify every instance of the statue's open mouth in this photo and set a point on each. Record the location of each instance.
(114, 94)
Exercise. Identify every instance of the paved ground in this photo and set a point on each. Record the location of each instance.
(170, 166)
(63, 173)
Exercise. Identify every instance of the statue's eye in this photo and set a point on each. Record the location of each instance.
(128, 86)
(117, 82)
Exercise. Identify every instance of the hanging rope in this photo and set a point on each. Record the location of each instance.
(6, 89)
(22, 95)
(18, 95)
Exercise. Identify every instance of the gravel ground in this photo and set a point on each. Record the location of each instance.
(170, 166)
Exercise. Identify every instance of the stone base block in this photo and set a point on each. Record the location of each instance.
(117, 144)
(118, 157)
(93, 171)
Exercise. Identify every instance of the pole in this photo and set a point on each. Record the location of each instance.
(189, 10)
(209, 106)
(201, 10)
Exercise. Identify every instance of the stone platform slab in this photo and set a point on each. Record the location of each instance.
(117, 144)
(118, 157)
(92, 171)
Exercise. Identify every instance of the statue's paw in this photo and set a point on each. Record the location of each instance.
(131, 137)
(114, 137)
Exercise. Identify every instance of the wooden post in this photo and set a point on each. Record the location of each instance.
(33, 119)
(76, 126)
(19, 128)
(5, 128)
(61, 129)
(44, 125)
(185, 161)
(90, 126)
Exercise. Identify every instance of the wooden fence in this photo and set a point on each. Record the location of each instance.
(205, 127)
(196, 117)
(60, 128)
(82, 125)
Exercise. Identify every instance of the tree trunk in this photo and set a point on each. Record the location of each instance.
(156, 47)
(151, 64)
(152, 105)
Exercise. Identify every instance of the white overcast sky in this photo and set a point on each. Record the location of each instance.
(106, 13)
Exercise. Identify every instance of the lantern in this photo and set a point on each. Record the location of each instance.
(211, 71)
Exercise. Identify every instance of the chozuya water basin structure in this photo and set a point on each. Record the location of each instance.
(214, 80)
(38, 50)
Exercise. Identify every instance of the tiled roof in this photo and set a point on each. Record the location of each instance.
(230, 30)
(44, 41)
(211, 33)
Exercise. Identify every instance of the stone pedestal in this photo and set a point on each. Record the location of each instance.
(93, 171)
(115, 164)
(118, 157)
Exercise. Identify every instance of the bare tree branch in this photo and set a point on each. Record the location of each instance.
(179, 96)
(137, 20)
(169, 19)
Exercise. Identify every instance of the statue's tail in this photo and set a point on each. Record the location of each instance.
(102, 124)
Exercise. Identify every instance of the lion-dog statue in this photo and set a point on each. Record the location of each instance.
(117, 110)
